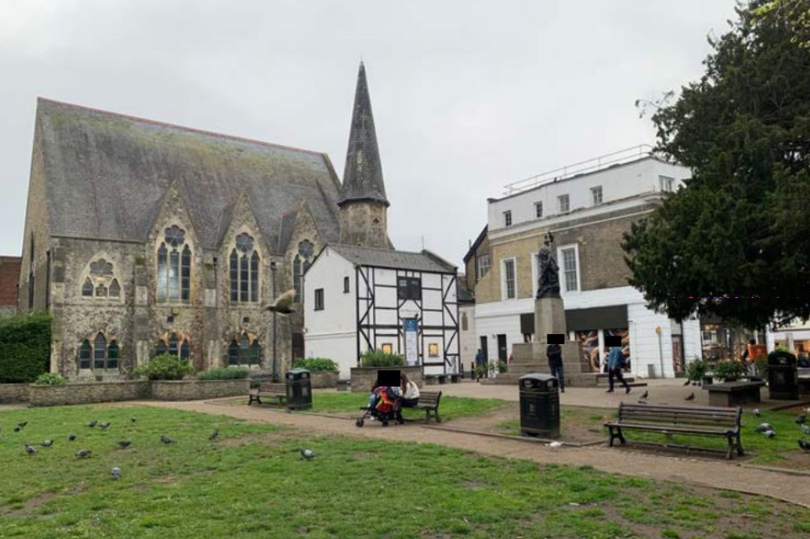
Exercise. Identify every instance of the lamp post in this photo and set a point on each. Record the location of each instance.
(275, 325)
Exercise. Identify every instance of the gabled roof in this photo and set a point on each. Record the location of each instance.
(9, 277)
(385, 258)
(363, 177)
(106, 175)
(474, 247)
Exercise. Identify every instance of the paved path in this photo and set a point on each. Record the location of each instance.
(716, 474)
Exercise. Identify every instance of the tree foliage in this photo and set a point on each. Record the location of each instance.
(735, 242)
(25, 347)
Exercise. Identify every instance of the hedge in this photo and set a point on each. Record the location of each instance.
(165, 367)
(316, 364)
(25, 347)
(377, 358)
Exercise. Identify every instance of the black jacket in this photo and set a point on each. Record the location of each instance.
(554, 353)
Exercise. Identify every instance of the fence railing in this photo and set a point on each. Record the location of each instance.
(591, 165)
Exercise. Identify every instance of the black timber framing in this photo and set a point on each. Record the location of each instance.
(368, 328)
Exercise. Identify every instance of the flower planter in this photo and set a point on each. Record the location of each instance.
(363, 378)
(87, 392)
(188, 390)
(324, 379)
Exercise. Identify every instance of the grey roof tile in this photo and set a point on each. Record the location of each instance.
(385, 258)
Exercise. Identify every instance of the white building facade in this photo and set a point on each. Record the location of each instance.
(359, 299)
(587, 208)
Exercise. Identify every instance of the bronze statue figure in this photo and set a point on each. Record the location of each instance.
(548, 285)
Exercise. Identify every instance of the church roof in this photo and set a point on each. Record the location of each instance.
(106, 175)
(386, 258)
(363, 177)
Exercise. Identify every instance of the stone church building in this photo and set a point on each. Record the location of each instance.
(144, 238)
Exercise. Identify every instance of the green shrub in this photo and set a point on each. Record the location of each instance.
(50, 379)
(376, 358)
(223, 374)
(695, 370)
(25, 347)
(165, 367)
(762, 367)
(729, 371)
(502, 367)
(480, 371)
(317, 364)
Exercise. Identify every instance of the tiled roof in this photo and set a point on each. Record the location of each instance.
(9, 277)
(385, 258)
(106, 175)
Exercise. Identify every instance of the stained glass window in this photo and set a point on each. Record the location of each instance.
(174, 266)
(99, 352)
(234, 263)
(85, 354)
(112, 355)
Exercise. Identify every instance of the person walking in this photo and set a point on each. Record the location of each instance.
(480, 361)
(615, 364)
(555, 364)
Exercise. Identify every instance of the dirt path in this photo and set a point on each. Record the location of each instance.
(716, 474)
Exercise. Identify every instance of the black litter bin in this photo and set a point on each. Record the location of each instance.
(539, 405)
(783, 376)
(299, 389)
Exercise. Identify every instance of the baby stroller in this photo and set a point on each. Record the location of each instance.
(384, 409)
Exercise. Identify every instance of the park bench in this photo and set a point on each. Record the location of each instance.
(429, 402)
(804, 385)
(268, 390)
(732, 394)
(692, 420)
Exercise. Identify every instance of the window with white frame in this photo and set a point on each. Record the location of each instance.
(564, 203)
(666, 183)
(596, 195)
(509, 279)
(482, 266)
(507, 218)
(538, 210)
(569, 258)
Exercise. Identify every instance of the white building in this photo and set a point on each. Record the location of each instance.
(587, 207)
(358, 299)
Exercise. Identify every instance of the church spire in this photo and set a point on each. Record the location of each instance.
(363, 177)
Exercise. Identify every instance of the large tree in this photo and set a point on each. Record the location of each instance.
(735, 241)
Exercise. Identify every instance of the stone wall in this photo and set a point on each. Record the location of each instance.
(324, 379)
(10, 393)
(87, 392)
(184, 390)
(363, 378)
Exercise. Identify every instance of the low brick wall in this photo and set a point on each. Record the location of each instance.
(363, 378)
(87, 392)
(10, 393)
(324, 379)
(189, 390)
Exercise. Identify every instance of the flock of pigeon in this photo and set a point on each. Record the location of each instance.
(115, 473)
(801, 420)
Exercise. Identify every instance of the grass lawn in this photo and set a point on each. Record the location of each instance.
(251, 483)
(780, 450)
(449, 407)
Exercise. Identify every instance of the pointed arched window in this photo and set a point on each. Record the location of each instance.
(99, 352)
(297, 277)
(174, 266)
(173, 344)
(233, 353)
(112, 355)
(115, 289)
(160, 349)
(184, 352)
(87, 288)
(85, 355)
(301, 265)
(176, 345)
(244, 350)
(254, 353)
(244, 269)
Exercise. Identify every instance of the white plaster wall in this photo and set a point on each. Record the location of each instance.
(331, 332)
(469, 338)
(646, 346)
(617, 183)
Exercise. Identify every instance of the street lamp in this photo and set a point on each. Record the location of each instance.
(275, 325)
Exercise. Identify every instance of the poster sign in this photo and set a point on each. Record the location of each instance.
(411, 350)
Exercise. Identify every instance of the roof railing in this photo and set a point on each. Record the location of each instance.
(591, 165)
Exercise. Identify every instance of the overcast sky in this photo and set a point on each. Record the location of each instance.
(467, 95)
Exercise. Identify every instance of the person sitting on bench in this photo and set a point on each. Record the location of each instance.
(409, 392)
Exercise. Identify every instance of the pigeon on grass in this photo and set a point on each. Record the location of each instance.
(31, 450)
(123, 444)
(166, 440)
(104, 426)
(763, 427)
(805, 445)
(214, 435)
(47, 443)
(115, 473)
(757, 412)
(307, 454)
(71, 437)
(92, 424)
(83, 453)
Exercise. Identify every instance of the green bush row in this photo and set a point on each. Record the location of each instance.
(165, 367)
(50, 379)
(316, 364)
(25, 347)
(377, 358)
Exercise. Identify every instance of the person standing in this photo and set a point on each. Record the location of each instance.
(479, 362)
(615, 364)
(555, 364)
